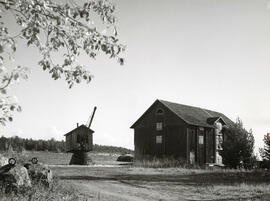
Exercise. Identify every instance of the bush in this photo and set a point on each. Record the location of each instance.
(238, 146)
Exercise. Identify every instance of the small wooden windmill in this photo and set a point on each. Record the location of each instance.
(79, 141)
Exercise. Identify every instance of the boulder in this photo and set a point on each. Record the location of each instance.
(21, 176)
(40, 172)
(125, 158)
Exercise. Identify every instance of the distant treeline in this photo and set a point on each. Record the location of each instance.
(19, 144)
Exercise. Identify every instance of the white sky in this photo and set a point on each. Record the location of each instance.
(213, 54)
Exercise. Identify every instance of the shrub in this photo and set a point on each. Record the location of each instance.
(237, 147)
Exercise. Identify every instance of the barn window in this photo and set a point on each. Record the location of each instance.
(159, 139)
(201, 128)
(159, 126)
(78, 139)
(200, 139)
(159, 111)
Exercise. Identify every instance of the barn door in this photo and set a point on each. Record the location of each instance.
(201, 146)
(192, 145)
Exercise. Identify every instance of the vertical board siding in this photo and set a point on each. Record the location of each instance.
(210, 146)
(83, 133)
(173, 134)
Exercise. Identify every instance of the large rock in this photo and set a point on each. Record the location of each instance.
(125, 158)
(40, 172)
(21, 176)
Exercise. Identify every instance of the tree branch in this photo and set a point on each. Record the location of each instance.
(8, 82)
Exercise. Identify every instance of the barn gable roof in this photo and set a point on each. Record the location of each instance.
(79, 127)
(212, 120)
(192, 115)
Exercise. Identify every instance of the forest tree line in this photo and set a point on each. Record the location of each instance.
(20, 144)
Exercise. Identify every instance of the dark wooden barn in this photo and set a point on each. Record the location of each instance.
(171, 129)
(79, 139)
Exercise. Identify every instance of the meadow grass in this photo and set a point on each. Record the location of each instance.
(165, 162)
(54, 158)
(39, 192)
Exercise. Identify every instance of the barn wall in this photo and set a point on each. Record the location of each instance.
(173, 134)
(68, 143)
(201, 153)
(90, 142)
(210, 145)
(176, 141)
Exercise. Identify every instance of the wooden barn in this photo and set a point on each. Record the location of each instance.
(79, 139)
(171, 129)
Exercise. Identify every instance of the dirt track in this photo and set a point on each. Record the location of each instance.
(123, 183)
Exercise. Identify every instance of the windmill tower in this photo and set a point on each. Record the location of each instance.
(79, 141)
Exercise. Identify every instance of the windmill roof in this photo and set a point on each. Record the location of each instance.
(79, 127)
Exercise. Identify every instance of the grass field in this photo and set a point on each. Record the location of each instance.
(121, 183)
(53, 158)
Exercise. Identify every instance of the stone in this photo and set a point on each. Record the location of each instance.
(40, 172)
(21, 176)
(125, 158)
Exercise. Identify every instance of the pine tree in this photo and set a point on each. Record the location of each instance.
(266, 150)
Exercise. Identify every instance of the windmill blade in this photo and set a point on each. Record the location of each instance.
(89, 122)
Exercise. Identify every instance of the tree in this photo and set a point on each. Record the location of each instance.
(238, 146)
(265, 152)
(61, 32)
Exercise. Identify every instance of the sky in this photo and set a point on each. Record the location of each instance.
(213, 54)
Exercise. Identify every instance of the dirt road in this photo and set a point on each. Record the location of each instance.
(128, 183)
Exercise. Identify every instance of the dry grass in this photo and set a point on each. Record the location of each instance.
(163, 163)
(39, 192)
(229, 192)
